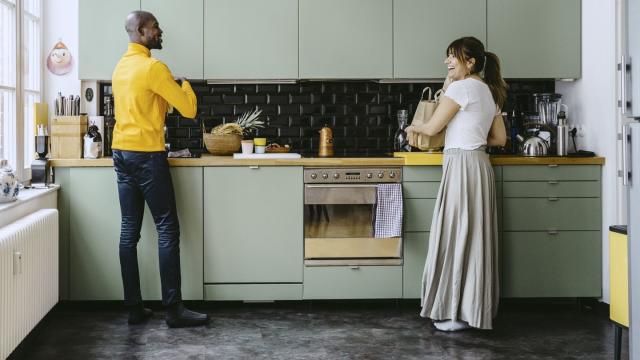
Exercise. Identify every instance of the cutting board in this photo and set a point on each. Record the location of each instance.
(267, 156)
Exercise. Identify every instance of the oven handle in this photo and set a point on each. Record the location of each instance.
(335, 194)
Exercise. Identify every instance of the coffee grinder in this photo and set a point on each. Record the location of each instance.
(40, 169)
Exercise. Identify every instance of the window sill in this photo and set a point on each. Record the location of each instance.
(29, 200)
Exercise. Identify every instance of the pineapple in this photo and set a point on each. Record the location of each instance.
(246, 123)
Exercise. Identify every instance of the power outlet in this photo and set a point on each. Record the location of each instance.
(580, 129)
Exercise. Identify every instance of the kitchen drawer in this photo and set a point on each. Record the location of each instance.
(420, 190)
(415, 255)
(352, 282)
(422, 173)
(418, 213)
(552, 188)
(550, 172)
(541, 214)
(537, 264)
(253, 292)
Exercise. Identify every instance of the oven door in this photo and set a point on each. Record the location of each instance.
(339, 226)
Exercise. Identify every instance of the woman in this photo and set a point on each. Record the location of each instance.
(460, 280)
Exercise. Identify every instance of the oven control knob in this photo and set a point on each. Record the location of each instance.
(314, 175)
(369, 175)
(325, 176)
(392, 175)
(380, 175)
(336, 175)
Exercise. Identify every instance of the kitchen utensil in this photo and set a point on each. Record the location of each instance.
(548, 106)
(326, 142)
(533, 145)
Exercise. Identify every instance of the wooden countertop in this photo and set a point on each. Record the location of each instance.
(399, 160)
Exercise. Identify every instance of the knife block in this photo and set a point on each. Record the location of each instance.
(67, 133)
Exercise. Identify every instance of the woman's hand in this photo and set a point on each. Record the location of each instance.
(446, 84)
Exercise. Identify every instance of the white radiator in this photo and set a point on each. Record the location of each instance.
(28, 275)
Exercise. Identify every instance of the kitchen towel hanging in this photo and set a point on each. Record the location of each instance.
(424, 112)
(388, 220)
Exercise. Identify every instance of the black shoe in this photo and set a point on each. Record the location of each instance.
(178, 316)
(139, 314)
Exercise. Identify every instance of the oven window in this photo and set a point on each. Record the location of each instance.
(339, 220)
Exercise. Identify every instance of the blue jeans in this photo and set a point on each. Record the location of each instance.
(145, 176)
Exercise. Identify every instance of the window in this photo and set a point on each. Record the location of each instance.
(20, 53)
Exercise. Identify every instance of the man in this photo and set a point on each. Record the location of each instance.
(143, 89)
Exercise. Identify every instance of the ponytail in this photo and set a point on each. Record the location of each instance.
(494, 80)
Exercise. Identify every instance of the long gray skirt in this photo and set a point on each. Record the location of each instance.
(460, 279)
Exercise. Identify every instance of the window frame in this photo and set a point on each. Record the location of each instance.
(19, 141)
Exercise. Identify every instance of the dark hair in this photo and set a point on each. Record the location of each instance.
(467, 48)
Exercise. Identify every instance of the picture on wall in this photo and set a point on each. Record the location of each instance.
(59, 59)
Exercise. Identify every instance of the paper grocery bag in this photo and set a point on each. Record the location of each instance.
(424, 112)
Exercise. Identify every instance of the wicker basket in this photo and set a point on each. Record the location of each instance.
(222, 144)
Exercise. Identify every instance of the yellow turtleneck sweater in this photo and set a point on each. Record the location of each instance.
(143, 89)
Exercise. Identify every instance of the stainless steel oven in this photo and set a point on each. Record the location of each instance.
(339, 216)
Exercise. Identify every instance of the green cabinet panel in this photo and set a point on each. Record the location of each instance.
(422, 30)
(551, 172)
(535, 39)
(346, 39)
(418, 214)
(251, 39)
(420, 190)
(536, 264)
(416, 245)
(421, 173)
(352, 282)
(63, 178)
(94, 266)
(552, 188)
(102, 38)
(182, 26)
(253, 226)
(540, 214)
(253, 292)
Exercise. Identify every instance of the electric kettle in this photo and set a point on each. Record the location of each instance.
(533, 145)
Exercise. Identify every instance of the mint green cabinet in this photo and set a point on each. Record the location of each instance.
(94, 232)
(346, 39)
(352, 282)
(422, 30)
(535, 39)
(416, 245)
(183, 31)
(552, 264)
(250, 39)
(102, 37)
(552, 244)
(253, 225)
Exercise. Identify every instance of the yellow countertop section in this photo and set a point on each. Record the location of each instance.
(425, 158)
(400, 159)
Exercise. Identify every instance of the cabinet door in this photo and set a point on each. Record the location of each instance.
(346, 39)
(535, 39)
(253, 226)
(422, 30)
(251, 39)
(416, 245)
(94, 209)
(563, 264)
(182, 26)
(102, 37)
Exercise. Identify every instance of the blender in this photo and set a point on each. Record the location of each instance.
(547, 105)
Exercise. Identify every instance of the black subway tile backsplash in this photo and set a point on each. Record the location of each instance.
(361, 113)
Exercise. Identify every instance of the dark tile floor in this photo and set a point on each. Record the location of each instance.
(322, 330)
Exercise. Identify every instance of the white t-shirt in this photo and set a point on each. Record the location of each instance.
(469, 128)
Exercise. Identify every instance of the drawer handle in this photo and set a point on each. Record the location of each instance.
(553, 165)
(552, 232)
(254, 167)
(355, 268)
(553, 182)
(553, 199)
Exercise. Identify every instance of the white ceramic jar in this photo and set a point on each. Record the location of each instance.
(9, 185)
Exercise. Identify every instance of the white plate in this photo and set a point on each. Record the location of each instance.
(267, 156)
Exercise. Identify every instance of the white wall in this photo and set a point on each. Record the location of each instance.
(592, 105)
(60, 23)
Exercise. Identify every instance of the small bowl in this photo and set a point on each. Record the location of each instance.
(260, 141)
(260, 149)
